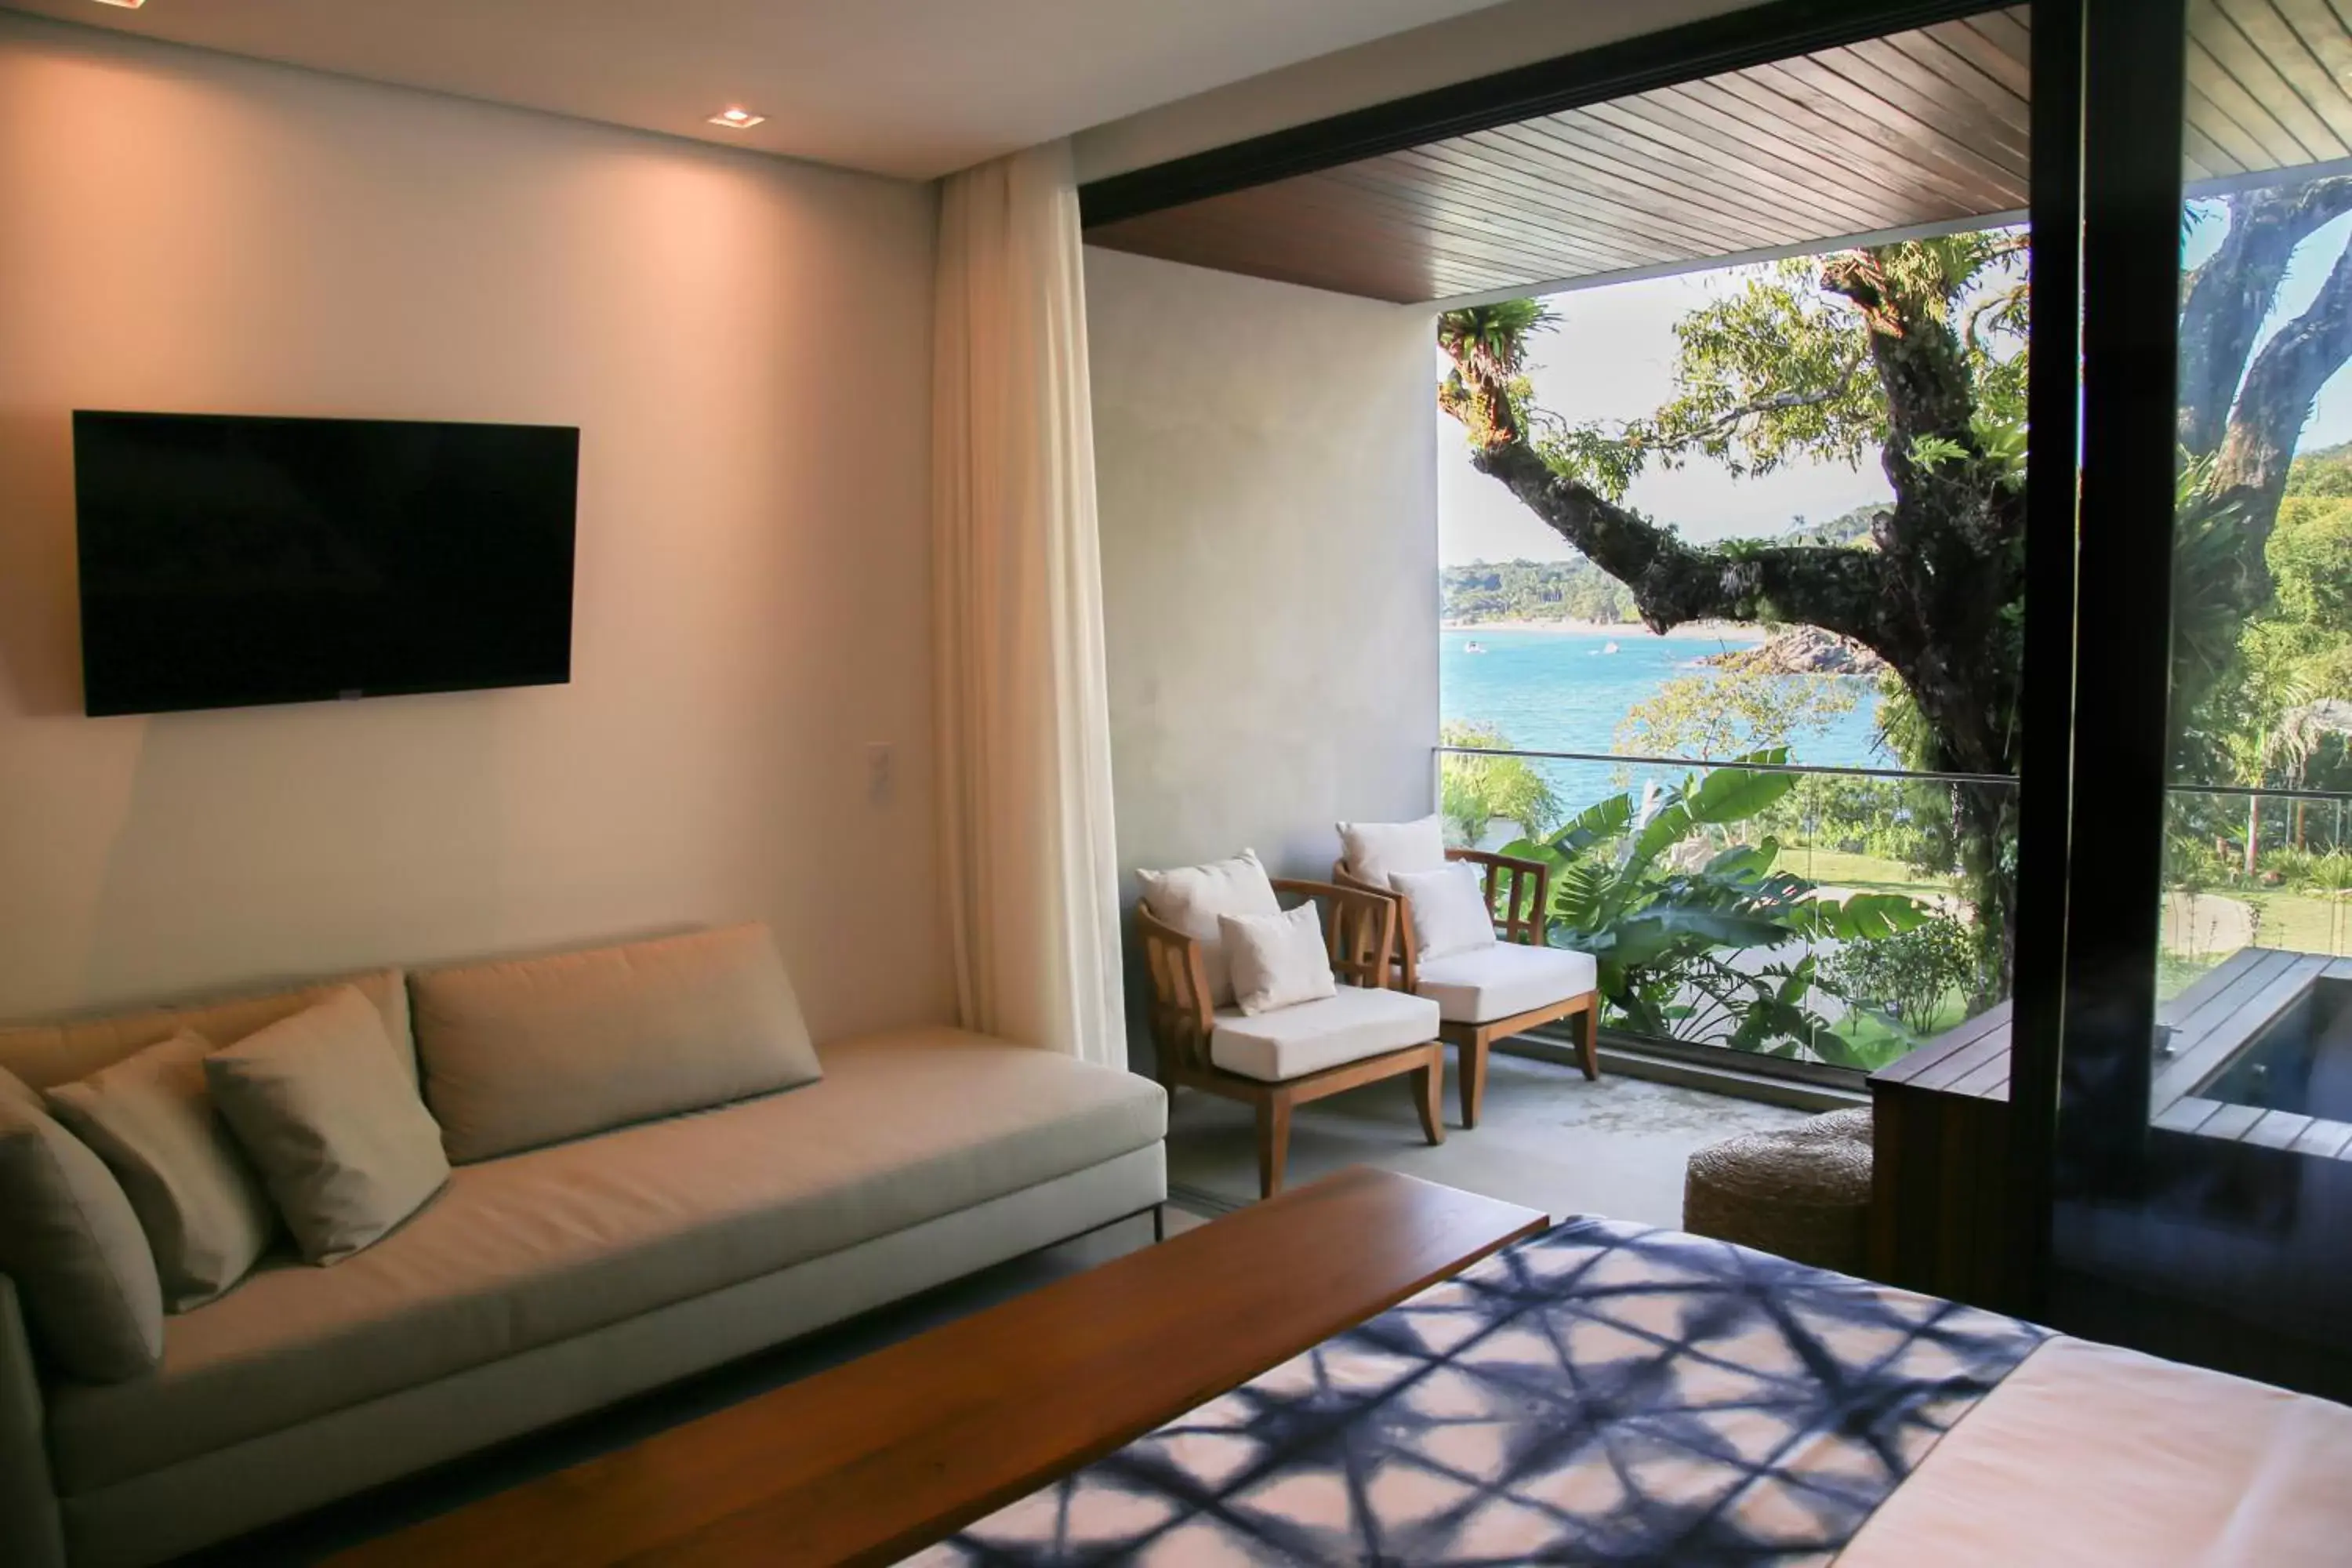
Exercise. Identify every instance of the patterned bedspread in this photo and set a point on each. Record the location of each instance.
(1601, 1393)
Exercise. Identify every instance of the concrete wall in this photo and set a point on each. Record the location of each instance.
(744, 343)
(1267, 473)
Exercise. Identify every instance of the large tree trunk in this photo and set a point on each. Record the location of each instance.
(1938, 596)
(2226, 299)
(1930, 599)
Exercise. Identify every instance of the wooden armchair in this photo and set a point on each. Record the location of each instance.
(1521, 983)
(1284, 1058)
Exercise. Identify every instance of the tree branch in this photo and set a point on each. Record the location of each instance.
(1778, 403)
(2227, 298)
(1931, 391)
(2275, 403)
(1836, 588)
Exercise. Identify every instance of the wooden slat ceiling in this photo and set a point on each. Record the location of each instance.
(1914, 130)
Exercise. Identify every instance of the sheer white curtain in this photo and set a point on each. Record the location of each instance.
(1024, 725)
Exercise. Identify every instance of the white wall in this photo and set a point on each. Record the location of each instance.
(1269, 489)
(744, 345)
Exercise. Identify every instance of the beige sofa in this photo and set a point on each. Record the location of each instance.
(542, 1284)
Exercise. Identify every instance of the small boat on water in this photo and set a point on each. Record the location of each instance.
(1474, 647)
(1604, 647)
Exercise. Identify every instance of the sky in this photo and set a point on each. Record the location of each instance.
(1611, 357)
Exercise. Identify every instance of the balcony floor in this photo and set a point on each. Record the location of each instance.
(1546, 1139)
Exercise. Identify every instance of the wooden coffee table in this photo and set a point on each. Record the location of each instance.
(881, 1455)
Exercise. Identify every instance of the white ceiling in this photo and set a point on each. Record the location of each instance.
(912, 88)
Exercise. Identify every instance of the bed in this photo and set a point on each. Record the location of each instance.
(1608, 1392)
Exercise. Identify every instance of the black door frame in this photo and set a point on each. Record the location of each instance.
(2047, 784)
(2134, 83)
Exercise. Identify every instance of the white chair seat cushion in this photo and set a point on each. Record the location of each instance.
(1345, 1027)
(1503, 981)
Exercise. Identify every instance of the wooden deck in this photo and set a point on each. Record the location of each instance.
(2218, 1016)
(1941, 1130)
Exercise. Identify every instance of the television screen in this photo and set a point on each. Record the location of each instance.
(230, 561)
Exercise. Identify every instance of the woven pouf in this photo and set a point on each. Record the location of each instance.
(1802, 1192)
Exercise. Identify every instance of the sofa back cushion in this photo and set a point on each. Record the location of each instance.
(537, 1051)
(47, 1055)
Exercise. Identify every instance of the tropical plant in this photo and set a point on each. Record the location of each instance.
(1474, 790)
(1912, 975)
(1667, 927)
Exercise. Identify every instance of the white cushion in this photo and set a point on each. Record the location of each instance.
(1348, 1026)
(1375, 851)
(1449, 910)
(1278, 960)
(1192, 897)
(1504, 981)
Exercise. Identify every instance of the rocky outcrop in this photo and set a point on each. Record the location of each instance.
(1800, 650)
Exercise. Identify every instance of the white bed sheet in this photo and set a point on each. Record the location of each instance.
(2093, 1456)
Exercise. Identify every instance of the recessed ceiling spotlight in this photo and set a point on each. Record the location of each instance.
(731, 119)
(126, 5)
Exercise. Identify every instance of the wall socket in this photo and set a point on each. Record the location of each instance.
(881, 772)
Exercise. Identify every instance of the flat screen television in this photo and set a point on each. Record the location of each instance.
(229, 561)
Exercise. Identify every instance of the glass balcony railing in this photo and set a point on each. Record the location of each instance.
(2249, 866)
(1834, 916)
(1839, 916)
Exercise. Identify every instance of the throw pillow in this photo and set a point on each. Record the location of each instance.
(1278, 960)
(321, 1105)
(70, 1242)
(1375, 851)
(1449, 910)
(151, 1119)
(1192, 897)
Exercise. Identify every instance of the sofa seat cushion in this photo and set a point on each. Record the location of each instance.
(1504, 981)
(1347, 1027)
(540, 1247)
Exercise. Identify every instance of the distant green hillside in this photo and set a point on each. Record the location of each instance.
(2326, 472)
(1488, 591)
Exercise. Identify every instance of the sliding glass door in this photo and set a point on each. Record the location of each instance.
(2203, 1161)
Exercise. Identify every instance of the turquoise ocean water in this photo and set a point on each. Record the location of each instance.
(1564, 692)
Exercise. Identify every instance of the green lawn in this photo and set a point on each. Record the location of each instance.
(2303, 922)
(1872, 873)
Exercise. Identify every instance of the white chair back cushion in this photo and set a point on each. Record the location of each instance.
(1449, 910)
(1276, 960)
(1192, 897)
(1375, 851)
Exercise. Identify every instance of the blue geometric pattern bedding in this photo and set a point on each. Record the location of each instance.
(1601, 1393)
